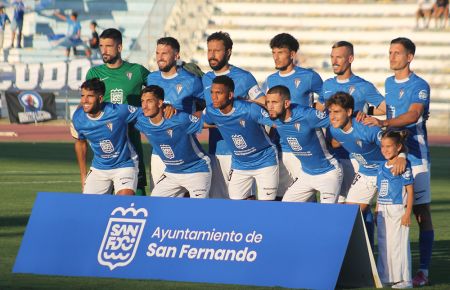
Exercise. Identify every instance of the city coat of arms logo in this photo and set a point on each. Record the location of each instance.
(122, 236)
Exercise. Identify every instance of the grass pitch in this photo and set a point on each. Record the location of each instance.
(26, 168)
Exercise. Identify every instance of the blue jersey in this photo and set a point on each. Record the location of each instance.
(175, 143)
(363, 143)
(243, 131)
(301, 82)
(305, 139)
(245, 87)
(362, 91)
(391, 189)
(399, 97)
(180, 90)
(107, 135)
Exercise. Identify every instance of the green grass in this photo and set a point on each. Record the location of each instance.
(26, 168)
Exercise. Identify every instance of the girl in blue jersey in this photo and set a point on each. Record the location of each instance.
(393, 211)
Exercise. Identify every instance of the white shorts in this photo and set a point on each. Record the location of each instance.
(363, 189)
(349, 174)
(176, 185)
(394, 256)
(157, 168)
(290, 167)
(100, 181)
(422, 192)
(221, 166)
(306, 186)
(240, 186)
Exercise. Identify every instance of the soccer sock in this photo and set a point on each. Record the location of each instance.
(426, 239)
(368, 221)
(140, 191)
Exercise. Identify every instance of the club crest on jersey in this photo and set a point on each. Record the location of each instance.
(129, 75)
(264, 113)
(293, 142)
(131, 109)
(351, 90)
(170, 132)
(122, 236)
(239, 141)
(384, 187)
(401, 93)
(297, 82)
(359, 143)
(110, 126)
(321, 115)
(116, 96)
(167, 151)
(242, 122)
(179, 87)
(297, 126)
(423, 95)
(407, 174)
(107, 146)
(193, 118)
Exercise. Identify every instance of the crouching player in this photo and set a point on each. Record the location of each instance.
(299, 128)
(104, 126)
(393, 211)
(174, 140)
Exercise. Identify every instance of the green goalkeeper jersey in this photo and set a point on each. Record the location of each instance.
(123, 84)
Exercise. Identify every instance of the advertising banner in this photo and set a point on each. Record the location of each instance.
(297, 245)
(30, 106)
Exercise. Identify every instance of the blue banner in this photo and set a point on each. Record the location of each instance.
(298, 245)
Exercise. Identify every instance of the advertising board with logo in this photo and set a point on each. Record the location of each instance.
(30, 106)
(215, 241)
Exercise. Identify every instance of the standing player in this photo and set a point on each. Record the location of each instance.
(394, 206)
(123, 81)
(302, 84)
(240, 124)
(104, 126)
(363, 144)
(363, 92)
(186, 166)
(297, 126)
(181, 89)
(408, 103)
(220, 48)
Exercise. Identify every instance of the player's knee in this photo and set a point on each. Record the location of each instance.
(423, 216)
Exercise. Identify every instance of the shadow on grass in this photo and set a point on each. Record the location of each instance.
(440, 261)
(14, 221)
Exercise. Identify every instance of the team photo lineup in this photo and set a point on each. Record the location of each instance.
(291, 139)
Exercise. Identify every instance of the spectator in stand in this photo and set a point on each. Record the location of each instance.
(94, 40)
(3, 19)
(441, 11)
(73, 31)
(424, 10)
(17, 22)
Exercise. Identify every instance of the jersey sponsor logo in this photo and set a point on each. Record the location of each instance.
(167, 151)
(239, 141)
(390, 112)
(107, 146)
(254, 92)
(297, 82)
(169, 132)
(110, 126)
(401, 93)
(116, 96)
(293, 142)
(129, 75)
(132, 109)
(242, 123)
(351, 90)
(423, 95)
(122, 236)
(297, 126)
(384, 188)
(379, 135)
(264, 113)
(361, 160)
(321, 115)
(194, 119)
(179, 87)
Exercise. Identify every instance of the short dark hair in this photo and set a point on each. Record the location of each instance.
(157, 91)
(281, 90)
(112, 33)
(170, 41)
(96, 85)
(93, 22)
(74, 14)
(283, 40)
(407, 43)
(224, 37)
(344, 43)
(224, 80)
(342, 99)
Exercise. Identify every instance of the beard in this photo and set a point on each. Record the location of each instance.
(168, 67)
(220, 64)
(112, 60)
